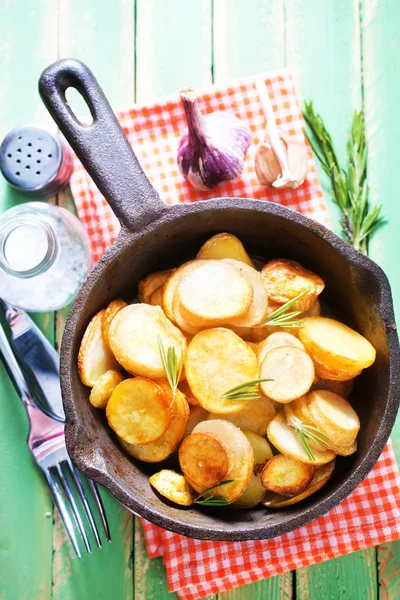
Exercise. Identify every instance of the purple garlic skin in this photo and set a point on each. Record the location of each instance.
(214, 147)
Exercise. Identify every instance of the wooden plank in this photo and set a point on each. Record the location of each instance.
(173, 46)
(24, 574)
(381, 52)
(84, 28)
(248, 39)
(350, 577)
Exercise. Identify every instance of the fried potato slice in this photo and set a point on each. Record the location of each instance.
(285, 279)
(293, 420)
(334, 416)
(260, 332)
(138, 411)
(214, 293)
(255, 491)
(284, 438)
(321, 476)
(336, 346)
(275, 340)
(94, 357)
(224, 245)
(180, 320)
(343, 388)
(185, 389)
(313, 311)
(331, 374)
(253, 346)
(258, 308)
(162, 448)
(171, 285)
(151, 283)
(291, 371)
(112, 309)
(204, 459)
(242, 457)
(216, 361)
(173, 486)
(134, 334)
(255, 416)
(286, 476)
(104, 387)
(196, 416)
(156, 297)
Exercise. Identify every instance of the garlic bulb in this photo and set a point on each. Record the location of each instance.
(279, 162)
(214, 147)
(268, 167)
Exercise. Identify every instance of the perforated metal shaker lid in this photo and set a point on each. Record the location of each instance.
(35, 161)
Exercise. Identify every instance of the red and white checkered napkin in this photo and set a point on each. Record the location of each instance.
(371, 515)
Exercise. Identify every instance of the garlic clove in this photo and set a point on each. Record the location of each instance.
(298, 162)
(267, 165)
(269, 170)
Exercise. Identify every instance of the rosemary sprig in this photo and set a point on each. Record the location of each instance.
(244, 391)
(211, 500)
(283, 318)
(307, 433)
(349, 186)
(172, 366)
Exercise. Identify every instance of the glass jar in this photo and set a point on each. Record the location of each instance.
(44, 256)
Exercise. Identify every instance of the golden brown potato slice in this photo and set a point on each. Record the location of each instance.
(343, 388)
(255, 416)
(180, 320)
(286, 476)
(151, 283)
(171, 285)
(138, 411)
(185, 389)
(258, 308)
(260, 332)
(224, 245)
(241, 453)
(334, 416)
(216, 361)
(156, 297)
(104, 387)
(134, 334)
(173, 486)
(285, 279)
(336, 346)
(313, 311)
(293, 420)
(321, 476)
(291, 371)
(275, 340)
(332, 374)
(204, 459)
(255, 491)
(112, 309)
(197, 415)
(94, 357)
(213, 293)
(284, 438)
(167, 443)
(253, 346)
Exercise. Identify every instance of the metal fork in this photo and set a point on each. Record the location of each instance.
(46, 442)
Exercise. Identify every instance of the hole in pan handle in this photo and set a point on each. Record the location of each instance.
(102, 146)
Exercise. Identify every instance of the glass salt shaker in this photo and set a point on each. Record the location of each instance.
(44, 256)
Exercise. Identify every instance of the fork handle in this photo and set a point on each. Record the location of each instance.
(40, 425)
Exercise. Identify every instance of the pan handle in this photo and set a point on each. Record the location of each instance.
(101, 146)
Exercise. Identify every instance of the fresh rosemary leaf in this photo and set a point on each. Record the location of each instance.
(349, 185)
(307, 433)
(172, 366)
(245, 391)
(283, 318)
(211, 500)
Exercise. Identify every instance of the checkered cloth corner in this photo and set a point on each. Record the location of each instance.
(371, 514)
(154, 132)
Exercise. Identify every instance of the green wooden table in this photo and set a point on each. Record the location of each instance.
(343, 54)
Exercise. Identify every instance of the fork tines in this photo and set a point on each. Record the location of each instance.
(63, 479)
